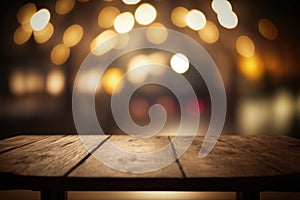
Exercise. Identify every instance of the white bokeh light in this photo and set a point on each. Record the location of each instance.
(179, 63)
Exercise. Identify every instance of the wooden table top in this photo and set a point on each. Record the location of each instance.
(263, 163)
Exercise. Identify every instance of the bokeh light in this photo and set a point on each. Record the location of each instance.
(59, 54)
(123, 39)
(40, 19)
(87, 80)
(104, 42)
(156, 33)
(112, 81)
(55, 82)
(107, 16)
(267, 29)
(220, 6)
(44, 35)
(131, 2)
(228, 20)
(124, 22)
(195, 19)
(72, 35)
(17, 83)
(178, 16)
(64, 6)
(209, 33)
(138, 69)
(139, 108)
(145, 14)
(34, 82)
(251, 67)
(245, 46)
(21, 36)
(25, 13)
(179, 63)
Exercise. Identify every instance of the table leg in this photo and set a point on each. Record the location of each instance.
(254, 195)
(54, 195)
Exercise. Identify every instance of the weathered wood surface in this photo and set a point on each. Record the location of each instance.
(260, 163)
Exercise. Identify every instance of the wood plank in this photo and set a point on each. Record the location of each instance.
(17, 141)
(280, 153)
(94, 168)
(51, 156)
(225, 160)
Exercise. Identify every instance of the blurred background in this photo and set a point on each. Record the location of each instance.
(255, 45)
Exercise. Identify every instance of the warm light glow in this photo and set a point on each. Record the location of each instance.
(64, 6)
(178, 16)
(140, 65)
(40, 19)
(124, 22)
(145, 14)
(43, 35)
(179, 63)
(17, 83)
(251, 67)
(107, 16)
(104, 42)
(27, 27)
(87, 80)
(59, 54)
(195, 19)
(55, 82)
(131, 2)
(245, 46)
(122, 40)
(220, 6)
(21, 36)
(34, 82)
(139, 108)
(210, 33)
(157, 33)
(72, 35)
(25, 13)
(267, 29)
(228, 20)
(112, 82)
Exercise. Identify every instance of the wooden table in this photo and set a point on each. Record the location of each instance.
(55, 164)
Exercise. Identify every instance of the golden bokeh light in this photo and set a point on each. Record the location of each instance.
(195, 19)
(138, 69)
(17, 83)
(209, 33)
(107, 16)
(72, 35)
(267, 29)
(44, 35)
(64, 6)
(59, 54)
(25, 13)
(252, 67)
(104, 42)
(228, 20)
(178, 16)
(87, 80)
(131, 2)
(220, 6)
(123, 39)
(21, 36)
(179, 63)
(124, 22)
(112, 80)
(34, 82)
(157, 33)
(245, 46)
(40, 19)
(145, 14)
(55, 82)
(27, 27)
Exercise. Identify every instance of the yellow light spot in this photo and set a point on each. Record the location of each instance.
(64, 6)
(34, 82)
(17, 83)
(55, 82)
(112, 80)
(88, 81)
(145, 14)
(21, 36)
(124, 22)
(179, 63)
(123, 39)
(157, 33)
(138, 69)
(107, 16)
(40, 19)
(220, 6)
(104, 42)
(25, 13)
(131, 2)
(244, 46)
(59, 54)
(195, 19)
(72, 35)
(178, 16)
(210, 33)
(251, 67)
(44, 35)
(27, 27)
(267, 29)
(228, 20)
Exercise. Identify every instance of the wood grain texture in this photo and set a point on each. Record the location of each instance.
(17, 141)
